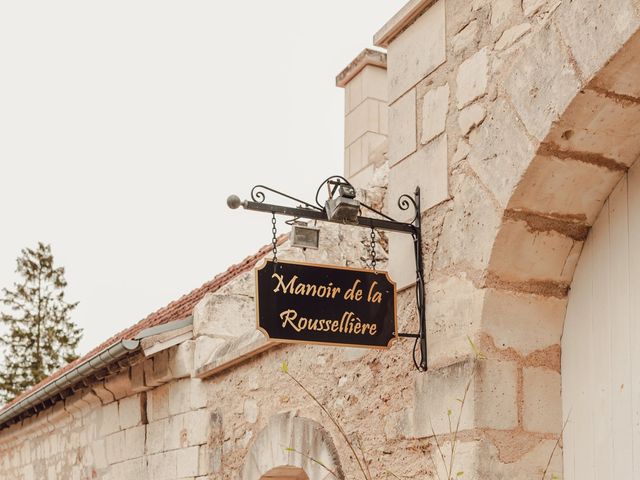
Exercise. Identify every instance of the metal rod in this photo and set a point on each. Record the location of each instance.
(420, 289)
(321, 215)
(409, 335)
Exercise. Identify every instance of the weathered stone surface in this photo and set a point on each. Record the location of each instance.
(364, 118)
(500, 145)
(542, 410)
(181, 359)
(417, 51)
(402, 262)
(471, 117)
(541, 256)
(565, 188)
(593, 35)
(129, 412)
(511, 35)
(251, 410)
(542, 82)
(224, 315)
(466, 38)
(427, 169)
(600, 124)
(496, 395)
(523, 322)
(501, 10)
(530, 7)
(435, 106)
(620, 75)
(472, 78)
(436, 402)
(402, 127)
(158, 403)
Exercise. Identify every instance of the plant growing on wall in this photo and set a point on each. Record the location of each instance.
(40, 336)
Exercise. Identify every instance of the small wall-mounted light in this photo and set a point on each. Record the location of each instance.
(344, 207)
(304, 236)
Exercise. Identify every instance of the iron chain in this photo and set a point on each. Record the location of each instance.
(373, 249)
(274, 240)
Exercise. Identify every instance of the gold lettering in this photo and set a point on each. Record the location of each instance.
(374, 296)
(335, 324)
(352, 293)
(285, 288)
(373, 328)
(288, 316)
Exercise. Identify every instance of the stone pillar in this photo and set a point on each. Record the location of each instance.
(365, 125)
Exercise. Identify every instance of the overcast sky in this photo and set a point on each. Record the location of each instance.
(124, 125)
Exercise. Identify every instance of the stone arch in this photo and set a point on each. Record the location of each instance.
(564, 132)
(269, 452)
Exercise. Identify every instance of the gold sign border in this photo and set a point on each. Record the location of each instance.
(333, 344)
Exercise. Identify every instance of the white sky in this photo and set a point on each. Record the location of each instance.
(124, 125)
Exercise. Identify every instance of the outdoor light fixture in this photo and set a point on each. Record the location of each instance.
(304, 236)
(343, 208)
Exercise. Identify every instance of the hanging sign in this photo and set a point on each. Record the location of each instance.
(300, 302)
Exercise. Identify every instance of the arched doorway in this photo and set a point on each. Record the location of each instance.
(285, 473)
(292, 448)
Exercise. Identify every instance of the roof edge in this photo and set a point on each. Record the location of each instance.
(401, 21)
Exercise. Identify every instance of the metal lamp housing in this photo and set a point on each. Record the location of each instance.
(343, 208)
(303, 236)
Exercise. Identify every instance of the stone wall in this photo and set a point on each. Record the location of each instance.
(516, 119)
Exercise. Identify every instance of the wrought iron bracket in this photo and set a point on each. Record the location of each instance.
(318, 212)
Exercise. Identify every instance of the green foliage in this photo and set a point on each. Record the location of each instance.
(40, 336)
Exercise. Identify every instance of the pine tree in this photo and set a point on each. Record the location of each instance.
(39, 335)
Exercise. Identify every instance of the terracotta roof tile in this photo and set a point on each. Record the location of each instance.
(176, 310)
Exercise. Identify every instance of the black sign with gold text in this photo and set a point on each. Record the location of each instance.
(299, 302)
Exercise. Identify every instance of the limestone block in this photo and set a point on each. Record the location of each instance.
(251, 410)
(355, 159)
(371, 142)
(199, 396)
(402, 127)
(436, 399)
(511, 35)
(102, 393)
(362, 178)
(136, 373)
(224, 315)
(496, 395)
(115, 444)
(163, 466)
(471, 117)
(99, 451)
(592, 35)
(473, 249)
(417, 51)
(109, 419)
(529, 7)
(528, 464)
(353, 95)
(500, 144)
(596, 123)
(158, 403)
(155, 436)
(198, 424)
(179, 396)
(119, 384)
(181, 359)
(523, 322)
(374, 83)
(364, 118)
(622, 72)
(187, 461)
(542, 82)
(157, 372)
(501, 10)
(435, 106)
(130, 411)
(540, 256)
(427, 169)
(565, 188)
(472, 78)
(134, 439)
(542, 400)
(455, 312)
(205, 350)
(466, 38)
(209, 461)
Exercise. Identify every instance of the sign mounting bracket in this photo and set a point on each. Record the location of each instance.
(320, 212)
